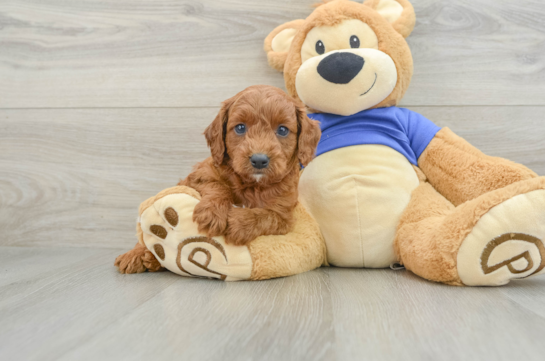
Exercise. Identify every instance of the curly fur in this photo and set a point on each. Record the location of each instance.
(264, 199)
(137, 260)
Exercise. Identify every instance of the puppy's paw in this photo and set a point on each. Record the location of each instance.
(238, 238)
(174, 242)
(239, 231)
(151, 263)
(211, 218)
(137, 260)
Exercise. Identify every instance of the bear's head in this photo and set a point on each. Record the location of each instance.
(346, 57)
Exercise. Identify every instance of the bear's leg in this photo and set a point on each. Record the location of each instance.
(461, 172)
(166, 230)
(301, 250)
(487, 241)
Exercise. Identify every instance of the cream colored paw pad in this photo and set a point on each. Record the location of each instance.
(171, 235)
(506, 243)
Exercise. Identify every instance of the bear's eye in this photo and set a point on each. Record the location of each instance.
(282, 131)
(240, 129)
(320, 48)
(354, 41)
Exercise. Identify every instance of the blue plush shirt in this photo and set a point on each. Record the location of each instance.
(401, 129)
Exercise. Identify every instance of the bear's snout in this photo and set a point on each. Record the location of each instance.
(340, 68)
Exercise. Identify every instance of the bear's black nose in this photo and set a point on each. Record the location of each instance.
(340, 68)
(259, 161)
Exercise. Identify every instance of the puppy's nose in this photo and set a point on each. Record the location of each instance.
(259, 161)
(340, 68)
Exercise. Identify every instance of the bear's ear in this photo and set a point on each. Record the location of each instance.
(278, 42)
(399, 13)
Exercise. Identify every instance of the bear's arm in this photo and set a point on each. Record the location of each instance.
(461, 172)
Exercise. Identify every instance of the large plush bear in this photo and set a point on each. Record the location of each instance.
(387, 186)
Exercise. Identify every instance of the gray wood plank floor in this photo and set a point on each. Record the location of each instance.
(102, 104)
(133, 53)
(70, 304)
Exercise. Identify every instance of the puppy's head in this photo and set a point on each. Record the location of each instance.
(262, 134)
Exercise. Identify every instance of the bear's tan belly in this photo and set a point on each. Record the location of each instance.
(357, 194)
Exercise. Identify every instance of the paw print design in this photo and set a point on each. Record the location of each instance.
(533, 249)
(507, 243)
(171, 235)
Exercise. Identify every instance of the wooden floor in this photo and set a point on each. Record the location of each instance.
(102, 104)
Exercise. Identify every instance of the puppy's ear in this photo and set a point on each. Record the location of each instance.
(278, 42)
(308, 136)
(215, 132)
(399, 13)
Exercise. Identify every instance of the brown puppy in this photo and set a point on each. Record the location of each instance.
(249, 185)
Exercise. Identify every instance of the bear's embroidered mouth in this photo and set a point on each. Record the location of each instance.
(368, 90)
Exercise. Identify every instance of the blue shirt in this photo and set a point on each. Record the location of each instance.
(401, 129)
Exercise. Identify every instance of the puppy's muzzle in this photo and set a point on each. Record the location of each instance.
(340, 68)
(259, 161)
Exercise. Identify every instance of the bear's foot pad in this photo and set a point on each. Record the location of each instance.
(171, 235)
(507, 243)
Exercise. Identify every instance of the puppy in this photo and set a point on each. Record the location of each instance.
(258, 141)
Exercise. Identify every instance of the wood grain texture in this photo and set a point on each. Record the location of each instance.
(103, 104)
(76, 177)
(53, 299)
(71, 304)
(174, 53)
(383, 314)
(282, 319)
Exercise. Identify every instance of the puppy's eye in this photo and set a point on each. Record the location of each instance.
(282, 131)
(240, 129)
(320, 48)
(354, 41)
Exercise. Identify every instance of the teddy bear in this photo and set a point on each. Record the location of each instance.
(387, 186)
